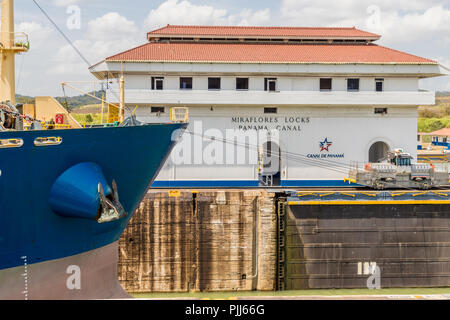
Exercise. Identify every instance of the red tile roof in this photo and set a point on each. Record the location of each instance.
(263, 32)
(442, 132)
(267, 53)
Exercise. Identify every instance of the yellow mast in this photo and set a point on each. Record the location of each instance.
(122, 99)
(103, 106)
(10, 45)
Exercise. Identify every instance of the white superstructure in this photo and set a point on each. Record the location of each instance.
(273, 106)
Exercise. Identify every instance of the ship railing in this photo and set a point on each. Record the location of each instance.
(47, 126)
(17, 41)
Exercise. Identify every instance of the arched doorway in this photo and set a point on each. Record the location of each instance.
(378, 151)
(270, 174)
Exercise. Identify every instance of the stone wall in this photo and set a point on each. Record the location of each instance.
(201, 241)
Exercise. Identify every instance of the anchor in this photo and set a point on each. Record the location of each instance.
(82, 191)
(110, 207)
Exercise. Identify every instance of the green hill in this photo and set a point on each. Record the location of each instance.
(24, 99)
(432, 118)
(72, 102)
(81, 100)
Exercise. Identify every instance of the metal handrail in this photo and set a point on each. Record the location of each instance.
(45, 126)
(56, 126)
(20, 40)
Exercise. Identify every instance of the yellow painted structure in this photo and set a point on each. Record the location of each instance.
(48, 107)
(11, 43)
(367, 202)
(174, 193)
(122, 99)
(29, 110)
(113, 113)
(179, 114)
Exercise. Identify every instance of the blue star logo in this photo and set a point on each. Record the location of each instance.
(325, 144)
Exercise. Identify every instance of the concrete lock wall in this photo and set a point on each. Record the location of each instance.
(205, 241)
(333, 246)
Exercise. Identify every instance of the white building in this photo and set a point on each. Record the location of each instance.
(321, 97)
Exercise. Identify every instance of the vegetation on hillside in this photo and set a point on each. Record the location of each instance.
(81, 100)
(432, 118)
(72, 102)
(24, 99)
(89, 119)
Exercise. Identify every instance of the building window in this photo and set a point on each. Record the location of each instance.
(325, 84)
(270, 84)
(241, 83)
(185, 83)
(381, 110)
(157, 109)
(379, 85)
(213, 83)
(352, 84)
(157, 83)
(270, 110)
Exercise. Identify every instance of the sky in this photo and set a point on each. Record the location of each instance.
(101, 28)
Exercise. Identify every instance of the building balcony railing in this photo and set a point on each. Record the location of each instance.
(251, 97)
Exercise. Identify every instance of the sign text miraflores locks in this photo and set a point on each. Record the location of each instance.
(263, 123)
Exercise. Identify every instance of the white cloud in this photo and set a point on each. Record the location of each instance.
(397, 21)
(62, 3)
(248, 17)
(186, 13)
(326, 12)
(105, 36)
(112, 26)
(414, 26)
(36, 32)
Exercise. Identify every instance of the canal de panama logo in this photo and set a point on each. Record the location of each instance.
(325, 144)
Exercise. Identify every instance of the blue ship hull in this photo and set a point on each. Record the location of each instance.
(30, 231)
